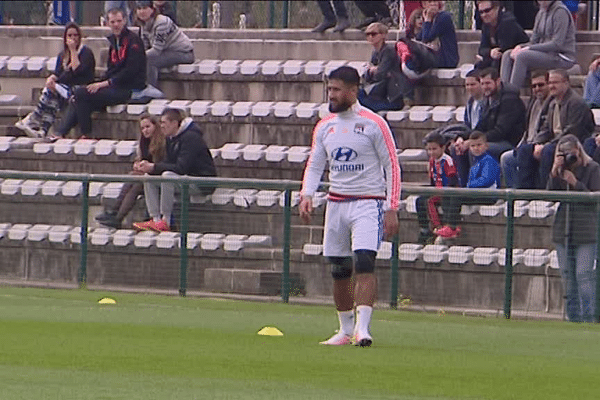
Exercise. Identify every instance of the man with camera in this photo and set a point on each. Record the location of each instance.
(575, 227)
(567, 114)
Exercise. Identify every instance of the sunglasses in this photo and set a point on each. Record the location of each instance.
(537, 85)
(486, 10)
(372, 33)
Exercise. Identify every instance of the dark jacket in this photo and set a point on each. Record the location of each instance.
(442, 28)
(81, 75)
(503, 119)
(126, 66)
(393, 83)
(583, 217)
(576, 118)
(508, 34)
(187, 153)
(541, 137)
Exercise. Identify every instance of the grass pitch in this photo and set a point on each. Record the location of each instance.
(58, 344)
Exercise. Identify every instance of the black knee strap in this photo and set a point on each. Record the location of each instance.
(341, 268)
(365, 261)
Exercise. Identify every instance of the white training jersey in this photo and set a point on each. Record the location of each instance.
(360, 149)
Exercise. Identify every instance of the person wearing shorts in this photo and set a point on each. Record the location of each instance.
(362, 201)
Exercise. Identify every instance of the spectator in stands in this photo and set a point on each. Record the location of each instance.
(502, 120)
(552, 45)
(126, 71)
(438, 31)
(575, 227)
(187, 154)
(415, 23)
(500, 32)
(75, 65)
(520, 167)
(122, 5)
(151, 148)
(567, 114)
(473, 112)
(165, 8)
(384, 82)
(442, 173)
(591, 88)
(337, 20)
(166, 45)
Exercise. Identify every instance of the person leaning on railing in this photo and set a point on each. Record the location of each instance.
(575, 227)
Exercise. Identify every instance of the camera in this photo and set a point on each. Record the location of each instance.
(570, 160)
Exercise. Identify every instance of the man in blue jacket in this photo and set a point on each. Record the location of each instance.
(126, 71)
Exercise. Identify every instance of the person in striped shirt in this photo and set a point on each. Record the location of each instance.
(362, 202)
(442, 173)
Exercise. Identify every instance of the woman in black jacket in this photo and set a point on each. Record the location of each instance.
(575, 227)
(75, 65)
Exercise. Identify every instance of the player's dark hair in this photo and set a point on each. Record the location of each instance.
(476, 135)
(346, 74)
(491, 72)
(435, 137)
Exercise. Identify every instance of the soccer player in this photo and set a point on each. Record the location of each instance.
(362, 202)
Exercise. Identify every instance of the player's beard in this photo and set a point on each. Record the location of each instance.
(339, 107)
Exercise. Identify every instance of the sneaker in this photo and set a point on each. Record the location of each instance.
(342, 25)
(426, 237)
(105, 216)
(144, 226)
(339, 339)
(111, 222)
(156, 226)
(363, 340)
(448, 232)
(323, 26)
(26, 126)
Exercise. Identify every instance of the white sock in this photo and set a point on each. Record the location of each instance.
(346, 322)
(363, 319)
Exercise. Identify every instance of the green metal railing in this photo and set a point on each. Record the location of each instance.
(287, 186)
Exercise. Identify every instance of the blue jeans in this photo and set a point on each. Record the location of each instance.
(377, 104)
(508, 163)
(579, 280)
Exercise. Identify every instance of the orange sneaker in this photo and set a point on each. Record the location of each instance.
(151, 225)
(447, 232)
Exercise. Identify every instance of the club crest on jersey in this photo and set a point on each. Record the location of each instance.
(359, 129)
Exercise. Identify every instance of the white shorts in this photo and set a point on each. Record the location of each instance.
(352, 225)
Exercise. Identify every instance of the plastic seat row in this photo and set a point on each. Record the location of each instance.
(538, 209)
(409, 252)
(127, 237)
(29, 63)
(281, 109)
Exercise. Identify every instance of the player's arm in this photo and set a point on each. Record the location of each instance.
(386, 149)
(312, 174)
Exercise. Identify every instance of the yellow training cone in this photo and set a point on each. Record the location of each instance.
(107, 300)
(270, 331)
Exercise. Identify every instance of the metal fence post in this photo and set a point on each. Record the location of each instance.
(597, 310)
(205, 14)
(83, 235)
(508, 260)
(461, 15)
(287, 221)
(183, 259)
(285, 18)
(394, 274)
(271, 14)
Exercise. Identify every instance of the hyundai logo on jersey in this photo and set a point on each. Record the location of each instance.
(344, 154)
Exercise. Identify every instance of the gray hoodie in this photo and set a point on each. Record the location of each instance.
(554, 31)
(161, 33)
